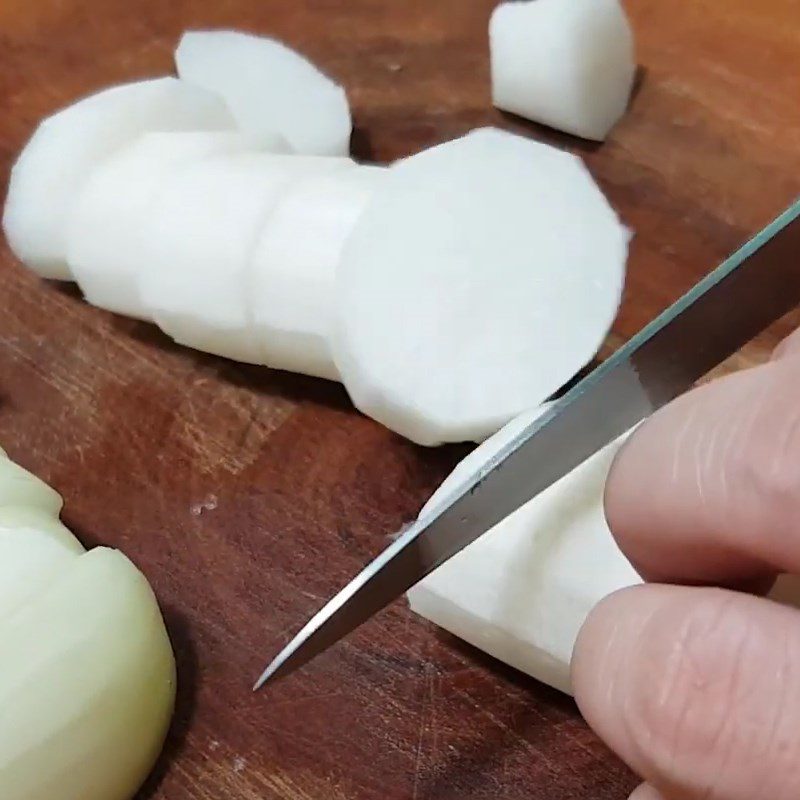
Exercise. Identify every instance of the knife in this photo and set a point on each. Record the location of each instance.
(746, 294)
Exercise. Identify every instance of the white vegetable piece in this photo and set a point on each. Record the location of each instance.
(200, 235)
(87, 685)
(522, 591)
(104, 249)
(483, 274)
(294, 268)
(569, 64)
(66, 148)
(268, 87)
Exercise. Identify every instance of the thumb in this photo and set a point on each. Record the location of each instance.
(708, 489)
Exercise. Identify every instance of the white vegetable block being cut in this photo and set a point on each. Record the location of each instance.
(66, 147)
(483, 274)
(522, 591)
(294, 268)
(569, 64)
(269, 87)
(104, 247)
(87, 685)
(200, 235)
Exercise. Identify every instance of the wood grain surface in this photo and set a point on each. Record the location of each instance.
(248, 496)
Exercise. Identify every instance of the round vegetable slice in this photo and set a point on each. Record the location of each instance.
(294, 268)
(522, 591)
(18, 487)
(66, 147)
(199, 237)
(569, 64)
(268, 87)
(104, 248)
(87, 685)
(483, 274)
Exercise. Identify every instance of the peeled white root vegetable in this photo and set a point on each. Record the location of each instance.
(87, 675)
(483, 274)
(294, 268)
(569, 64)
(522, 591)
(269, 87)
(200, 235)
(66, 147)
(104, 245)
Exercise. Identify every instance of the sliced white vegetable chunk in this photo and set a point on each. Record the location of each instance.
(294, 268)
(569, 64)
(104, 248)
(36, 522)
(87, 685)
(483, 274)
(522, 591)
(18, 487)
(66, 147)
(269, 87)
(199, 237)
(29, 562)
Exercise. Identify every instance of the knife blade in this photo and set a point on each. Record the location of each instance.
(755, 287)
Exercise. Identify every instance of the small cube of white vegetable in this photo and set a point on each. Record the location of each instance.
(569, 64)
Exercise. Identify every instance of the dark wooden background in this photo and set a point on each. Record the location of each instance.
(248, 496)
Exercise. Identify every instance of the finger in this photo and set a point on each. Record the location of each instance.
(790, 346)
(646, 792)
(696, 689)
(708, 489)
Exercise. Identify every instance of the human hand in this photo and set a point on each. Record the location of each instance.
(698, 688)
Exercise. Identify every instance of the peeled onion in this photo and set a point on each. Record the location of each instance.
(87, 684)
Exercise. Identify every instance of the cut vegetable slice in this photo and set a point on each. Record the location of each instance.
(199, 237)
(522, 591)
(269, 87)
(18, 487)
(104, 249)
(29, 562)
(87, 685)
(569, 64)
(294, 268)
(59, 158)
(36, 522)
(483, 274)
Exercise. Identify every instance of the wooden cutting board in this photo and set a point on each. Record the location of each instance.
(248, 496)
